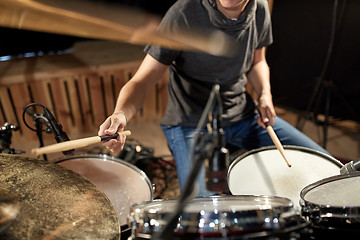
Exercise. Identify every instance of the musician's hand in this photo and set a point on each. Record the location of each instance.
(266, 110)
(113, 124)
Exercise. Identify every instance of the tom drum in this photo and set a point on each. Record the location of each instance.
(332, 205)
(123, 183)
(263, 171)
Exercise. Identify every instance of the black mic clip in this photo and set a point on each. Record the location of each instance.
(39, 120)
(351, 167)
(56, 128)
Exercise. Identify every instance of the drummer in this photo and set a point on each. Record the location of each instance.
(193, 74)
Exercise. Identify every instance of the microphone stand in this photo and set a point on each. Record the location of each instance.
(202, 148)
(39, 135)
(218, 162)
(39, 119)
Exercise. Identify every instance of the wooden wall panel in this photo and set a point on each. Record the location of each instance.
(7, 111)
(85, 105)
(80, 98)
(74, 105)
(21, 98)
(110, 98)
(96, 98)
(61, 104)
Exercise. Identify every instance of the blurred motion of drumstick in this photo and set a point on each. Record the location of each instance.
(96, 20)
(64, 146)
(277, 142)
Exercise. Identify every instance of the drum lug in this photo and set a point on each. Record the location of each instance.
(308, 211)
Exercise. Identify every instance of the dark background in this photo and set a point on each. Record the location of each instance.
(302, 33)
(14, 42)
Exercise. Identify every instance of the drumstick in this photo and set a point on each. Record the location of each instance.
(63, 146)
(277, 142)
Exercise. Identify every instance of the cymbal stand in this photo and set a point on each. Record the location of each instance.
(323, 83)
(5, 139)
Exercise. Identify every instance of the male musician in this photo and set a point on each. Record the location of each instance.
(193, 74)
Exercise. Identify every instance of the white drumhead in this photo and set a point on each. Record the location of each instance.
(337, 191)
(122, 183)
(264, 172)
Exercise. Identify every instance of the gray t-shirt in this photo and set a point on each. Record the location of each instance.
(193, 74)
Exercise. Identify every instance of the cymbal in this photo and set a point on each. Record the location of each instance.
(103, 21)
(9, 208)
(53, 202)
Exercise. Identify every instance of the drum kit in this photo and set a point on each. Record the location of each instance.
(103, 197)
(91, 196)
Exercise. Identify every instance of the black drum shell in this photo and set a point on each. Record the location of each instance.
(332, 220)
(278, 220)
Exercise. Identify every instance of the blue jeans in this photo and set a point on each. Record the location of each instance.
(245, 134)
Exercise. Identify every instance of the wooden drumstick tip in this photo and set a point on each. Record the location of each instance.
(125, 133)
(34, 152)
(276, 142)
(289, 165)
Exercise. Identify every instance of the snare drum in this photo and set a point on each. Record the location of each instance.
(263, 171)
(219, 217)
(123, 183)
(332, 205)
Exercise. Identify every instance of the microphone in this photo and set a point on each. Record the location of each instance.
(56, 128)
(351, 167)
(216, 171)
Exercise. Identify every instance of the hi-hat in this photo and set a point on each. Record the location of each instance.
(103, 21)
(48, 201)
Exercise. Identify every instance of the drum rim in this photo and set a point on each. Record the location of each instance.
(106, 157)
(290, 147)
(318, 183)
(289, 203)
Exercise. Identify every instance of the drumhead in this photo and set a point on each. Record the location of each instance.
(263, 171)
(123, 183)
(213, 216)
(332, 205)
(336, 191)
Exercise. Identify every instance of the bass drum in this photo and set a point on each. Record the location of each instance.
(263, 171)
(220, 217)
(123, 183)
(332, 205)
